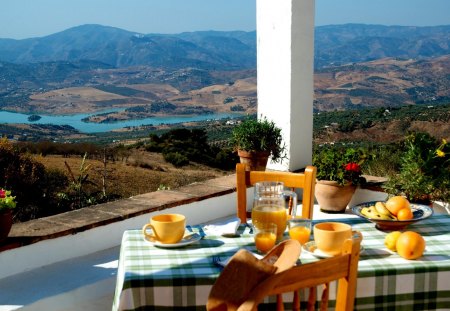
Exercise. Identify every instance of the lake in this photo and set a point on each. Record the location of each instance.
(87, 127)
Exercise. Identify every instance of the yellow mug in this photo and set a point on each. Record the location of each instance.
(166, 228)
(330, 236)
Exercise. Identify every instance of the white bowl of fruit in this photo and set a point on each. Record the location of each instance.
(394, 214)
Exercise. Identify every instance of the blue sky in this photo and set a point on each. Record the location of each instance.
(32, 18)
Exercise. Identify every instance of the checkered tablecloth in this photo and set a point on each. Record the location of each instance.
(154, 278)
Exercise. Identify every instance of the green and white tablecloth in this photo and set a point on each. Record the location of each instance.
(151, 278)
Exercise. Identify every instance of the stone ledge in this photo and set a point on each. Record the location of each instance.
(102, 214)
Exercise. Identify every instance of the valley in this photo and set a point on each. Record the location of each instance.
(129, 76)
(381, 83)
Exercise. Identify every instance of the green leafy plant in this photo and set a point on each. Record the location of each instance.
(253, 135)
(424, 172)
(7, 201)
(342, 165)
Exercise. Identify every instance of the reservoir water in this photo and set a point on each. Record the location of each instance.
(86, 127)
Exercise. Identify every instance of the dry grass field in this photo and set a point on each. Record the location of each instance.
(72, 100)
(141, 172)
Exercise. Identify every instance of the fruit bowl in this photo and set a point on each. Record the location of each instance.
(419, 212)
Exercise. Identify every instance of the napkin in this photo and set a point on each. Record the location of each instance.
(223, 262)
(227, 227)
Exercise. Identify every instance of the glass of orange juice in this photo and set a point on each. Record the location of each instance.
(300, 229)
(265, 237)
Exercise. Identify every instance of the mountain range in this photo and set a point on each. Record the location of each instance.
(120, 48)
(350, 43)
(356, 66)
(221, 50)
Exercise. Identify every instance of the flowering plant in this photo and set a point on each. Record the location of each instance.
(339, 164)
(6, 200)
(424, 172)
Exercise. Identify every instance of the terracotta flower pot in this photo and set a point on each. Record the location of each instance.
(332, 197)
(6, 220)
(254, 161)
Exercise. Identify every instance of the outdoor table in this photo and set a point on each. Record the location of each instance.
(181, 278)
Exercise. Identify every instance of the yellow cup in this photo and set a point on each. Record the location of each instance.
(330, 236)
(166, 228)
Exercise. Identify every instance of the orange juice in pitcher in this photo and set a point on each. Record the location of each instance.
(266, 214)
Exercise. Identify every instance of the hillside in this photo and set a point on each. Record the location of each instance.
(383, 83)
(140, 172)
(381, 125)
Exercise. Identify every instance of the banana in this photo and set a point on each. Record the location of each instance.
(381, 208)
(372, 213)
(365, 212)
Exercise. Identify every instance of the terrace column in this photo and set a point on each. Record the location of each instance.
(285, 64)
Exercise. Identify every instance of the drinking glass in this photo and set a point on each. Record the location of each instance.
(300, 229)
(265, 237)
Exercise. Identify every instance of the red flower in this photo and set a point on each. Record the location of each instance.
(2, 193)
(353, 167)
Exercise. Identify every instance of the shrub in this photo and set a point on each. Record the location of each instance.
(424, 172)
(180, 146)
(176, 158)
(31, 183)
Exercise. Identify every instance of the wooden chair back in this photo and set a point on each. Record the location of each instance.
(305, 181)
(342, 268)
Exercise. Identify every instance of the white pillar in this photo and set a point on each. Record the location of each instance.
(285, 76)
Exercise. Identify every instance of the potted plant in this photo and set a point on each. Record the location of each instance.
(256, 140)
(7, 203)
(424, 170)
(338, 174)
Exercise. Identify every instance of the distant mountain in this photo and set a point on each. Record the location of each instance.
(121, 48)
(352, 43)
(222, 50)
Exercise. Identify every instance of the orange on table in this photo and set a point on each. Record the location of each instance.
(405, 214)
(410, 245)
(395, 204)
(264, 241)
(300, 234)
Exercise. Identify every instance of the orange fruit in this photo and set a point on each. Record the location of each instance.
(405, 214)
(395, 204)
(410, 245)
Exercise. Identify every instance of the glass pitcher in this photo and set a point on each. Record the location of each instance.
(273, 204)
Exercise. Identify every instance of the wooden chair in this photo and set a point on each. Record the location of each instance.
(342, 268)
(305, 181)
